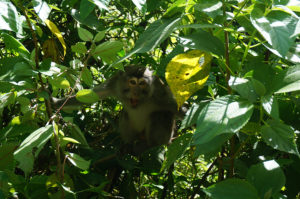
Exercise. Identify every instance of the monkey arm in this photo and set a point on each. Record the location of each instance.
(68, 104)
(104, 90)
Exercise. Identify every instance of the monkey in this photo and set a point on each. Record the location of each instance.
(149, 107)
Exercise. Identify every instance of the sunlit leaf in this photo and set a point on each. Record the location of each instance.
(57, 33)
(154, 35)
(289, 80)
(270, 105)
(203, 40)
(101, 4)
(277, 27)
(41, 8)
(186, 73)
(87, 76)
(78, 161)
(9, 17)
(212, 8)
(60, 82)
(292, 55)
(141, 5)
(87, 96)
(279, 136)
(227, 114)
(244, 87)
(176, 7)
(31, 146)
(267, 177)
(13, 44)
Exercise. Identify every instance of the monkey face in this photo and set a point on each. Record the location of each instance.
(137, 91)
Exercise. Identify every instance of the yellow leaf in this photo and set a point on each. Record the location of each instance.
(50, 50)
(57, 33)
(186, 73)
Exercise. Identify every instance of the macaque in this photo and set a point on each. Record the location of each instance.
(149, 108)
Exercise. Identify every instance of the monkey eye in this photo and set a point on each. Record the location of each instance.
(133, 81)
(142, 82)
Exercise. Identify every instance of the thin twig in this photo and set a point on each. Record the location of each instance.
(197, 189)
(106, 158)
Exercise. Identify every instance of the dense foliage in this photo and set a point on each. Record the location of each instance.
(239, 139)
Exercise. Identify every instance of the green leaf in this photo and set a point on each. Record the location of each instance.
(227, 114)
(291, 4)
(191, 116)
(176, 149)
(292, 55)
(23, 69)
(41, 8)
(12, 44)
(85, 35)
(77, 134)
(60, 82)
(108, 50)
(279, 136)
(244, 87)
(101, 4)
(258, 87)
(277, 27)
(289, 80)
(79, 48)
(90, 21)
(232, 189)
(270, 105)
(9, 17)
(203, 41)
(198, 26)
(99, 36)
(87, 96)
(78, 161)
(212, 8)
(154, 35)
(267, 177)
(6, 155)
(36, 186)
(213, 146)
(86, 7)
(176, 7)
(31, 146)
(86, 76)
(141, 5)
(7, 99)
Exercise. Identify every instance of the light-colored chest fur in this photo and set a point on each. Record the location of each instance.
(140, 116)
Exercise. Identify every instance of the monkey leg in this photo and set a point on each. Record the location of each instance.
(160, 128)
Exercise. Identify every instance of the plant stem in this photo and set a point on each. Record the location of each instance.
(35, 41)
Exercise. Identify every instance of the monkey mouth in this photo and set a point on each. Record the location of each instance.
(134, 102)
